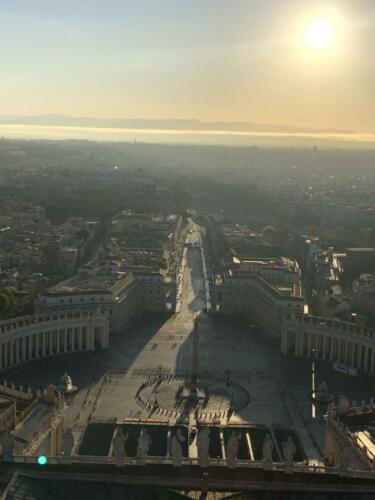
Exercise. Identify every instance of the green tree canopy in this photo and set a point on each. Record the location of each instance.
(7, 302)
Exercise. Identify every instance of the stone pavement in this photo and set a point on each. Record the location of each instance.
(278, 386)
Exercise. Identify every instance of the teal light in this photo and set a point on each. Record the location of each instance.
(42, 460)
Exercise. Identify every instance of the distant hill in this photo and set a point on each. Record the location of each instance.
(158, 124)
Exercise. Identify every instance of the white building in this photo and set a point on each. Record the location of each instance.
(121, 296)
(37, 336)
(249, 294)
(332, 340)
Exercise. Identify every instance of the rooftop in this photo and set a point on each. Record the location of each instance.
(92, 282)
(271, 262)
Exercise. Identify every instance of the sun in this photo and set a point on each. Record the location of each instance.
(319, 34)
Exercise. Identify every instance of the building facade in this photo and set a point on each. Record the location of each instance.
(279, 310)
(332, 340)
(42, 335)
(248, 294)
(122, 297)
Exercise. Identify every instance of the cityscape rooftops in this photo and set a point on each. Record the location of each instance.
(278, 290)
(252, 263)
(91, 282)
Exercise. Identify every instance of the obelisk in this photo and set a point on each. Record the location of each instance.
(195, 361)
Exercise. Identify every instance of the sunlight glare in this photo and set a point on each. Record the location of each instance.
(319, 34)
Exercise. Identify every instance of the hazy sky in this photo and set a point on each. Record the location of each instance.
(224, 60)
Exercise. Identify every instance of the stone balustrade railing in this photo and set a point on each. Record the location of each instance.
(26, 322)
(255, 464)
(335, 325)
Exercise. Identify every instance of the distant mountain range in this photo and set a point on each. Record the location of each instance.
(158, 124)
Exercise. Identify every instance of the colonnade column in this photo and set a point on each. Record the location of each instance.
(346, 346)
(24, 355)
(37, 345)
(359, 357)
(106, 336)
(73, 338)
(10, 354)
(296, 342)
(91, 336)
(17, 351)
(30, 347)
(51, 337)
(44, 343)
(367, 354)
(331, 352)
(324, 347)
(80, 338)
(104, 339)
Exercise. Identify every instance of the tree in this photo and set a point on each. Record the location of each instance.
(181, 197)
(82, 234)
(269, 234)
(283, 234)
(7, 302)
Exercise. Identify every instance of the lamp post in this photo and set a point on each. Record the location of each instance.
(313, 388)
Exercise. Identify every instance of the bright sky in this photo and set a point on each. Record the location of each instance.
(223, 60)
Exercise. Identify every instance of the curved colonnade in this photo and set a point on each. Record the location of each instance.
(331, 340)
(37, 336)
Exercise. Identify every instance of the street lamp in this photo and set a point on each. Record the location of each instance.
(313, 408)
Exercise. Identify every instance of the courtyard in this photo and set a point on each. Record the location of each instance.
(273, 389)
